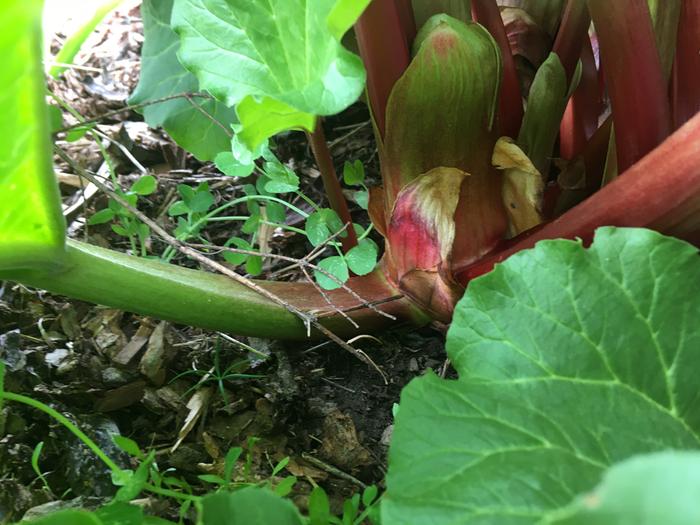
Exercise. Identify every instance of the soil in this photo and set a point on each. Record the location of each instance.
(112, 372)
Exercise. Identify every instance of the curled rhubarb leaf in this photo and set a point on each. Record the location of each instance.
(32, 228)
(162, 75)
(545, 108)
(281, 50)
(522, 186)
(452, 83)
(570, 360)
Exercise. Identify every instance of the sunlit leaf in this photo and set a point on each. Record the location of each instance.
(281, 52)
(31, 224)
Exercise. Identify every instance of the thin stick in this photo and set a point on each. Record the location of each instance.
(199, 108)
(308, 319)
(333, 470)
(133, 107)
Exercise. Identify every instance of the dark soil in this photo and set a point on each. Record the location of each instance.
(112, 372)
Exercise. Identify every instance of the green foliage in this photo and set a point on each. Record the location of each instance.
(545, 108)
(126, 223)
(284, 72)
(249, 506)
(354, 175)
(362, 258)
(32, 228)
(336, 266)
(643, 490)
(162, 75)
(570, 360)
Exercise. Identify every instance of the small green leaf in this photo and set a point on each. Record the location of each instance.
(230, 462)
(120, 230)
(101, 217)
(353, 173)
(78, 133)
(362, 198)
(228, 165)
(369, 495)
(201, 201)
(178, 208)
(254, 265)
(237, 258)
(659, 488)
(251, 224)
(186, 192)
(128, 445)
(213, 479)
(319, 507)
(35, 459)
(275, 212)
(202, 130)
(284, 487)
(280, 466)
(337, 267)
(145, 185)
(133, 487)
(282, 179)
(321, 224)
(362, 258)
(248, 506)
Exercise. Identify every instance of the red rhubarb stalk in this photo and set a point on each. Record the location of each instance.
(510, 104)
(581, 116)
(635, 80)
(646, 195)
(384, 49)
(685, 92)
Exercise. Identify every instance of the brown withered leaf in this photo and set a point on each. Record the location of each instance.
(522, 186)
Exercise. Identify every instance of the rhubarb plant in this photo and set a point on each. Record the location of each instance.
(495, 128)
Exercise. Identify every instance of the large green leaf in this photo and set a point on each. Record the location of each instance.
(570, 360)
(31, 223)
(249, 506)
(661, 488)
(279, 50)
(162, 75)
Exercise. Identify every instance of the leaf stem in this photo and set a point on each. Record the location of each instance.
(384, 49)
(336, 199)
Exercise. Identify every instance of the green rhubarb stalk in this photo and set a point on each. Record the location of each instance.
(211, 301)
